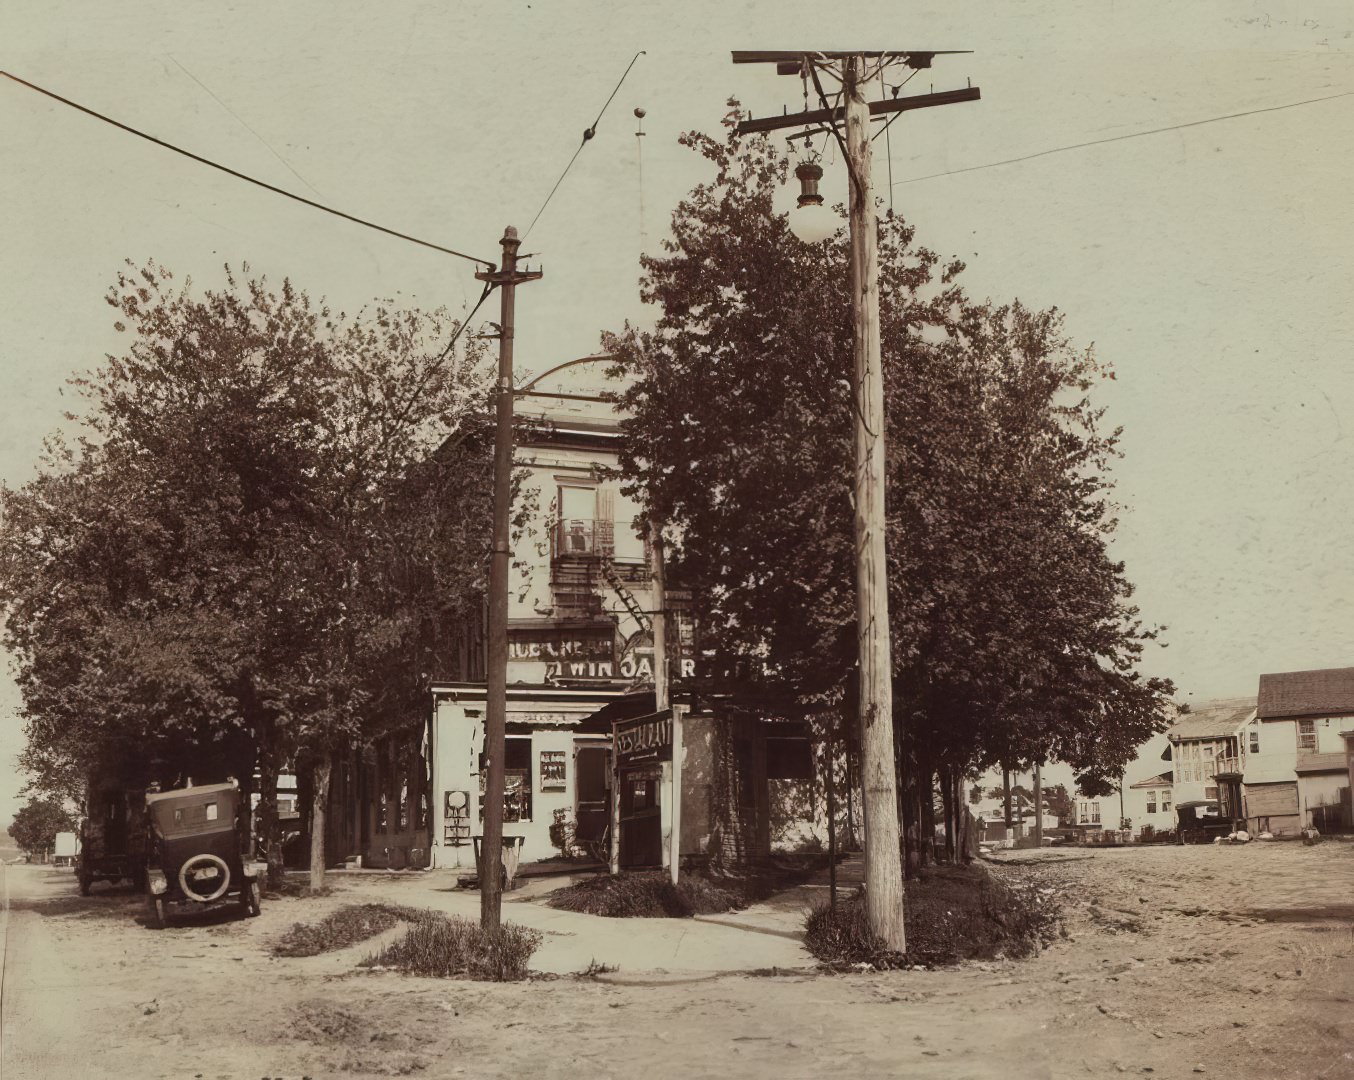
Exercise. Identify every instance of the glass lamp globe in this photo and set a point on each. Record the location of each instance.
(811, 221)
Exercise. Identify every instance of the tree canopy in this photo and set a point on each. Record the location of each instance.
(38, 821)
(268, 525)
(1014, 636)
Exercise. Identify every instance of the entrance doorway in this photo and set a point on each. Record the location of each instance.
(641, 817)
(592, 796)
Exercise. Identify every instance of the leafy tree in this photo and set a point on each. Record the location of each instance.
(1095, 785)
(256, 544)
(1014, 639)
(1059, 802)
(37, 823)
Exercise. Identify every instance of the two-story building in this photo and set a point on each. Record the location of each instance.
(1297, 773)
(1206, 743)
(1151, 803)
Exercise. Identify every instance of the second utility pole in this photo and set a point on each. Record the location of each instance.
(878, 762)
(883, 857)
(496, 676)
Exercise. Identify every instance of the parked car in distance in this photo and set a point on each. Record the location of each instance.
(112, 837)
(1200, 822)
(194, 857)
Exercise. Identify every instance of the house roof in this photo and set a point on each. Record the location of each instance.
(1324, 692)
(1213, 719)
(1310, 763)
(1160, 780)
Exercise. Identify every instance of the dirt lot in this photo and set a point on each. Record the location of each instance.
(1234, 962)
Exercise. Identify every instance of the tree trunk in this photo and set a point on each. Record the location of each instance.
(318, 809)
(831, 786)
(926, 793)
(852, 842)
(1006, 797)
(268, 826)
(947, 809)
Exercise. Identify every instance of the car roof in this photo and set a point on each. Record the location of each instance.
(179, 793)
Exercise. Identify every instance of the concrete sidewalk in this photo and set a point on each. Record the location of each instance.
(760, 937)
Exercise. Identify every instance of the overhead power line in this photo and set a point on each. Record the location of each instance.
(242, 176)
(588, 133)
(1120, 138)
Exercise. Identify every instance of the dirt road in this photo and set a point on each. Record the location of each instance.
(1235, 961)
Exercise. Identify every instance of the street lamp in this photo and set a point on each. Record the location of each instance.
(811, 221)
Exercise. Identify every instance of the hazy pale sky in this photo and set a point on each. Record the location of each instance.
(1210, 263)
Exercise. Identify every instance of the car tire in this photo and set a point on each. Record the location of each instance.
(85, 884)
(205, 859)
(252, 898)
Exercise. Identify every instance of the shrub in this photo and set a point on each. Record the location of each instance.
(650, 895)
(451, 947)
(952, 914)
(346, 926)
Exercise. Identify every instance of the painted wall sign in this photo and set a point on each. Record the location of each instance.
(556, 646)
(644, 738)
(636, 665)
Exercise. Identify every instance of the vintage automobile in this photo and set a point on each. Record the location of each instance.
(194, 857)
(1200, 822)
(112, 837)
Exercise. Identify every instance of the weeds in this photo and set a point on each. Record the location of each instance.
(647, 896)
(344, 927)
(454, 947)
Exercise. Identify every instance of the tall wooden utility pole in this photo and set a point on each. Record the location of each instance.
(853, 71)
(507, 278)
(883, 858)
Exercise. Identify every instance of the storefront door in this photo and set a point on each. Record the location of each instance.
(592, 800)
(641, 817)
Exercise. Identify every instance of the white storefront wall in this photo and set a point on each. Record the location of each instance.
(458, 742)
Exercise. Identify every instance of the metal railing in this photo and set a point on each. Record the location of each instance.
(583, 537)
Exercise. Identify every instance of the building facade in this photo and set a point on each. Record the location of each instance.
(1209, 738)
(1297, 775)
(580, 656)
(1150, 803)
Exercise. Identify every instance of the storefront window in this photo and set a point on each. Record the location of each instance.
(516, 780)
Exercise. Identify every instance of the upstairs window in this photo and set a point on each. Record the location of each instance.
(1306, 736)
(1151, 802)
(1254, 746)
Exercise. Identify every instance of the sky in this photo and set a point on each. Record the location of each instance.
(1209, 262)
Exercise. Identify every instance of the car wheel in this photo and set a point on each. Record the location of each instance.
(253, 897)
(206, 863)
(85, 884)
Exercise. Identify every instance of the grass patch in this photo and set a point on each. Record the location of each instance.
(953, 914)
(451, 947)
(344, 927)
(649, 895)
